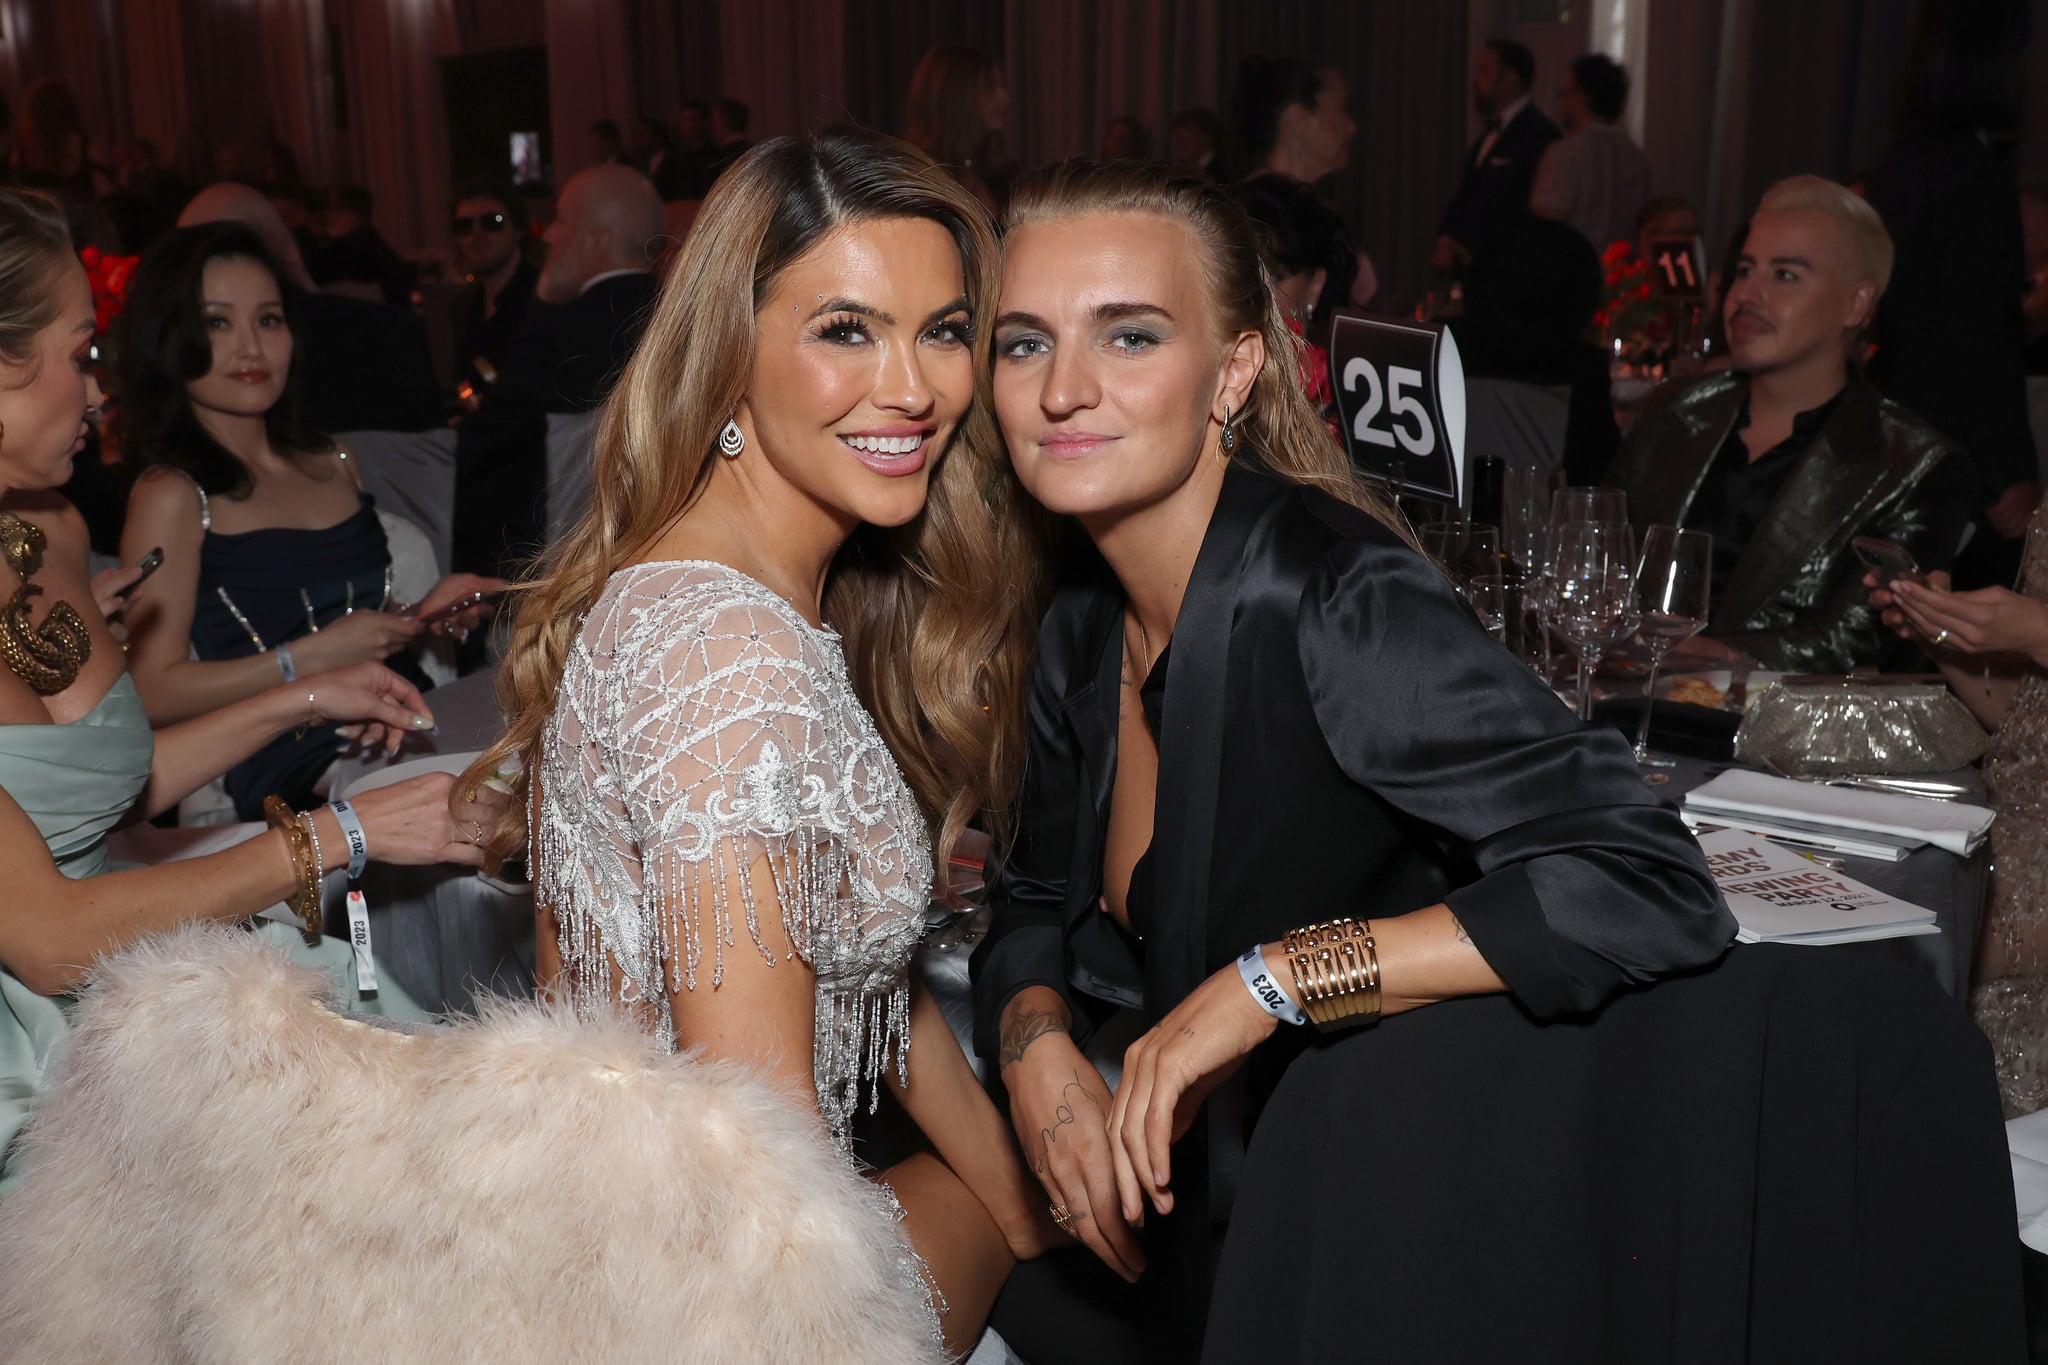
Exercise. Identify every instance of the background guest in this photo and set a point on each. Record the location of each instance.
(1793, 453)
(2034, 307)
(1493, 190)
(694, 150)
(1950, 334)
(654, 153)
(1125, 139)
(607, 144)
(275, 563)
(729, 120)
(50, 155)
(489, 230)
(957, 108)
(1528, 303)
(1196, 142)
(596, 289)
(1992, 646)
(352, 249)
(1594, 177)
(364, 366)
(1293, 123)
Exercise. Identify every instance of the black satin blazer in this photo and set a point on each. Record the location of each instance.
(1338, 736)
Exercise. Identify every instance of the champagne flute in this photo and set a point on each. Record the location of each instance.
(1593, 570)
(1673, 591)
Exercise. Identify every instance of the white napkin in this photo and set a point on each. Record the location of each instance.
(1945, 824)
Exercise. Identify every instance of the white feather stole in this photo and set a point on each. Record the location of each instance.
(230, 1172)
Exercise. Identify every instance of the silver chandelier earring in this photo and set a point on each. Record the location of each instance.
(731, 440)
(1229, 438)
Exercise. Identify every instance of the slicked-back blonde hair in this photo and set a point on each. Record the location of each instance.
(1863, 230)
(936, 616)
(1280, 427)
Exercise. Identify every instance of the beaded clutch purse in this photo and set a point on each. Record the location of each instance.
(1859, 725)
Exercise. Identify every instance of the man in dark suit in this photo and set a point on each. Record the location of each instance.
(595, 292)
(1494, 190)
(1791, 454)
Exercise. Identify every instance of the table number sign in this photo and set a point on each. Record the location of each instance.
(1677, 267)
(1400, 391)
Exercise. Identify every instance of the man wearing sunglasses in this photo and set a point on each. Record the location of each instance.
(489, 233)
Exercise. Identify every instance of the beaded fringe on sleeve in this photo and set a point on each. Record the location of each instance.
(709, 766)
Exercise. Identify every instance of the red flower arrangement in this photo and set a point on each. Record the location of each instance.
(1627, 303)
(109, 277)
(1313, 372)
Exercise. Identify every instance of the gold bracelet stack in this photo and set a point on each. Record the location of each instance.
(301, 842)
(1336, 973)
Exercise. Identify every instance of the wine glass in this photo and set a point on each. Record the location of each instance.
(1463, 548)
(1600, 506)
(1588, 504)
(1592, 578)
(1491, 595)
(1673, 589)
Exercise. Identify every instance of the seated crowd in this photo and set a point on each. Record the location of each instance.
(929, 498)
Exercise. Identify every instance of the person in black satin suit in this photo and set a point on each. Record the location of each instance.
(1493, 190)
(1257, 706)
(596, 291)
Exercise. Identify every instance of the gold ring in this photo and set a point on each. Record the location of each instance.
(1063, 1218)
(1942, 638)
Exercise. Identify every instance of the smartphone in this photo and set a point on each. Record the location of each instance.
(455, 608)
(1887, 560)
(149, 564)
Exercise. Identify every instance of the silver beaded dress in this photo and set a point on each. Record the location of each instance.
(707, 764)
(2012, 1007)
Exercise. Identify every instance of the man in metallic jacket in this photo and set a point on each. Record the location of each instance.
(1793, 453)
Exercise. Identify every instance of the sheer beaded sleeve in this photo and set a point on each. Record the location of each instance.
(705, 734)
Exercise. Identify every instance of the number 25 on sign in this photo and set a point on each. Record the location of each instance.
(1407, 419)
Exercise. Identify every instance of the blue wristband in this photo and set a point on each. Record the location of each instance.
(284, 663)
(1271, 995)
(358, 842)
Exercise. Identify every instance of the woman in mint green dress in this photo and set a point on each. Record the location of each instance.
(77, 755)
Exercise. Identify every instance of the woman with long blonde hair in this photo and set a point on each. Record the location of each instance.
(780, 653)
(1280, 776)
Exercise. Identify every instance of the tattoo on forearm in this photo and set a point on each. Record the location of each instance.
(1459, 925)
(1062, 1116)
(1026, 1028)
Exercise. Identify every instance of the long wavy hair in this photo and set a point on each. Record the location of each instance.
(1280, 428)
(161, 344)
(937, 615)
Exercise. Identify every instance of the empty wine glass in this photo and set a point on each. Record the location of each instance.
(1463, 548)
(1592, 577)
(1598, 506)
(1594, 504)
(1673, 589)
(1490, 595)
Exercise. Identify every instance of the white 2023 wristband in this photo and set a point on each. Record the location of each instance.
(1271, 995)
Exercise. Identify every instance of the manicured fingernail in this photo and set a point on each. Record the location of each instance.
(1159, 1178)
(422, 723)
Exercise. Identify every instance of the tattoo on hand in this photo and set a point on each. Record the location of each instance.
(1459, 925)
(1062, 1115)
(1025, 1029)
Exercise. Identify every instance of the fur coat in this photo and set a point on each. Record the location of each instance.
(230, 1171)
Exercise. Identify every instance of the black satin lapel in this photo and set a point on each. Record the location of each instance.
(1191, 748)
(1091, 712)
